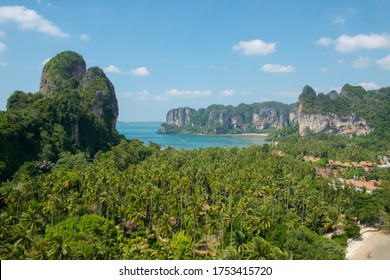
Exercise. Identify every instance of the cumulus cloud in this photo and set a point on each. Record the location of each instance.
(27, 19)
(2, 47)
(361, 63)
(2, 33)
(140, 72)
(324, 41)
(84, 37)
(348, 44)
(112, 69)
(138, 95)
(384, 62)
(254, 47)
(277, 68)
(369, 85)
(175, 93)
(227, 92)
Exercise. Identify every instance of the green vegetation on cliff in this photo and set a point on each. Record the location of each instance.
(220, 119)
(373, 105)
(66, 115)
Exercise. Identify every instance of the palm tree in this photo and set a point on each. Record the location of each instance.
(59, 250)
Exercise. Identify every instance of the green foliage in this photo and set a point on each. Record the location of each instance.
(306, 245)
(217, 119)
(67, 116)
(351, 228)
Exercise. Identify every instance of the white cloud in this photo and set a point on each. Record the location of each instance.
(27, 19)
(371, 41)
(139, 95)
(254, 47)
(112, 69)
(325, 41)
(338, 20)
(277, 68)
(174, 93)
(324, 70)
(2, 34)
(384, 62)
(347, 44)
(361, 63)
(227, 93)
(340, 61)
(2, 47)
(369, 85)
(140, 72)
(84, 37)
(3, 64)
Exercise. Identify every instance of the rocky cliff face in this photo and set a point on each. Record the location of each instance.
(99, 95)
(66, 73)
(218, 119)
(180, 116)
(62, 72)
(314, 120)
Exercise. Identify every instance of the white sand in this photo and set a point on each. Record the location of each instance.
(371, 245)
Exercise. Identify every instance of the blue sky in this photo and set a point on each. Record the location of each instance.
(166, 54)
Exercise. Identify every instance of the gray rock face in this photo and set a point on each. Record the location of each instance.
(218, 119)
(62, 72)
(66, 74)
(342, 125)
(312, 123)
(180, 116)
(99, 95)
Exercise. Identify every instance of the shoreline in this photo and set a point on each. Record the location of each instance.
(372, 244)
(240, 134)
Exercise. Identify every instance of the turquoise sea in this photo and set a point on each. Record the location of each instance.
(147, 131)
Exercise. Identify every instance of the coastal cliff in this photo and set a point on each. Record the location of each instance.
(313, 119)
(219, 119)
(353, 111)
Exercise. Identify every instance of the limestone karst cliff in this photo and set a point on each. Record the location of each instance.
(353, 111)
(66, 73)
(219, 119)
(315, 114)
(75, 110)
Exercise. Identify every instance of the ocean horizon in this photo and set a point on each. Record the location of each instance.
(147, 132)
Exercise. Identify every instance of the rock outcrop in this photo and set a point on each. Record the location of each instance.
(219, 119)
(316, 115)
(62, 72)
(66, 73)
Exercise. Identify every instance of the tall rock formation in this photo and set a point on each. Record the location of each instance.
(97, 110)
(62, 72)
(329, 113)
(219, 119)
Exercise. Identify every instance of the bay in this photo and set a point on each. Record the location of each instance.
(147, 131)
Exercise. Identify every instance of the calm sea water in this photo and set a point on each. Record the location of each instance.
(147, 131)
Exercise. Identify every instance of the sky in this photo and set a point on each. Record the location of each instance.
(173, 53)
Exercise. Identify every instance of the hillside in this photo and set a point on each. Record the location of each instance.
(219, 119)
(75, 109)
(353, 111)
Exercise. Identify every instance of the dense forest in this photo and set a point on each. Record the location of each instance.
(73, 188)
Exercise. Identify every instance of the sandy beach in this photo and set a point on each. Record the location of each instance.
(371, 245)
(245, 134)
